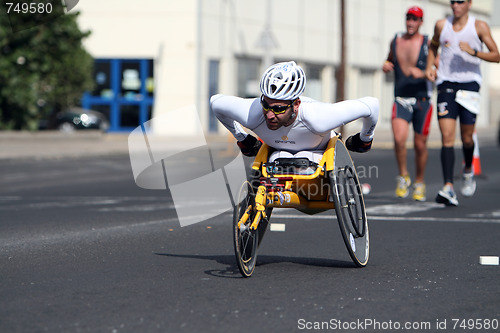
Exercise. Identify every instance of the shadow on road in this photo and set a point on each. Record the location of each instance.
(231, 271)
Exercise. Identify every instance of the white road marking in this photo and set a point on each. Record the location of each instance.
(488, 260)
(402, 209)
(493, 214)
(83, 235)
(277, 227)
(393, 218)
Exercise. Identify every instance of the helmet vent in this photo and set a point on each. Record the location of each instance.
(283, 81)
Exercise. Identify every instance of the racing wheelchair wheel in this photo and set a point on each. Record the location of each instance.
(349, 205)
(245, 240)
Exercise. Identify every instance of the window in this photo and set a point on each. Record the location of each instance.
(102, 77)
(314, 86)
(248, 77)
(124, 91)
(366, 82)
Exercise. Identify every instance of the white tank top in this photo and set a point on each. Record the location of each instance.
(311, 129)
(456, 65)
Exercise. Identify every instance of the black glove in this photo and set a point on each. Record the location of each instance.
(249, 146)
(354, 143)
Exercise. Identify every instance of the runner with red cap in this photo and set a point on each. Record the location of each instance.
(407, 59)
(415, 11)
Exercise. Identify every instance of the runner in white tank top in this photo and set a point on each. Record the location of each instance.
(454, 64)
(458, 82)
(285, 121)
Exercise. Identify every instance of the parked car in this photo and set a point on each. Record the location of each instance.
(76, 118)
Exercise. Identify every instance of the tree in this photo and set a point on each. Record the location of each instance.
(43, 68)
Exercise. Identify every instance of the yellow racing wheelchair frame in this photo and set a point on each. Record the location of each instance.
(336, 186)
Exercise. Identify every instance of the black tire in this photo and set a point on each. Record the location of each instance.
(245, 240)
(350, 206)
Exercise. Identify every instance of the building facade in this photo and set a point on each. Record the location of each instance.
(157, 56)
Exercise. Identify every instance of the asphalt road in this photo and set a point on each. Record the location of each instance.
(83, 249)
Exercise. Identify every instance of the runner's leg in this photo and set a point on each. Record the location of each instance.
(421, 156)
(447, 127)
(422, 116)
(466, 132)
(400, 129)
(467, 121)
(467, 125)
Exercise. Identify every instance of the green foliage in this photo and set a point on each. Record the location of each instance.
(42, 68)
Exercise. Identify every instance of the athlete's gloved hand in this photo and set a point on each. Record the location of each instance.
(354, 143)
(249, 146)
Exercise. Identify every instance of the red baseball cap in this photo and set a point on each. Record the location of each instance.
(415, 11)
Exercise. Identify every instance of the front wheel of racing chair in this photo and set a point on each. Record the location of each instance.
(247, 241)
(244, 238)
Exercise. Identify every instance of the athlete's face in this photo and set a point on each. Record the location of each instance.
(272, 108)
(413, 24)
(460, 8)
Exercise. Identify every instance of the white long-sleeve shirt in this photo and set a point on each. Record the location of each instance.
(311, 129)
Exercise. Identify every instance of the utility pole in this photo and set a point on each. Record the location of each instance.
(267, 41)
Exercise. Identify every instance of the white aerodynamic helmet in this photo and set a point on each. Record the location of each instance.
(283, 81)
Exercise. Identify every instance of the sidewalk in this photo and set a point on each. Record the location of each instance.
(53, 144)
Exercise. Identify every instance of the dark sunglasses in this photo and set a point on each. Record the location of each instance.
(277, 109)
(459, 2)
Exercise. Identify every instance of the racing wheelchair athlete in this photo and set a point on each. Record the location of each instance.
(297, 145)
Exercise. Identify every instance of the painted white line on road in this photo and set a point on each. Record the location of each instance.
(493, 214)
(488, 260)
(82, 235)
(402, 209)
(277, 227)
(433, 219)
(394, 218)
(137, 208)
